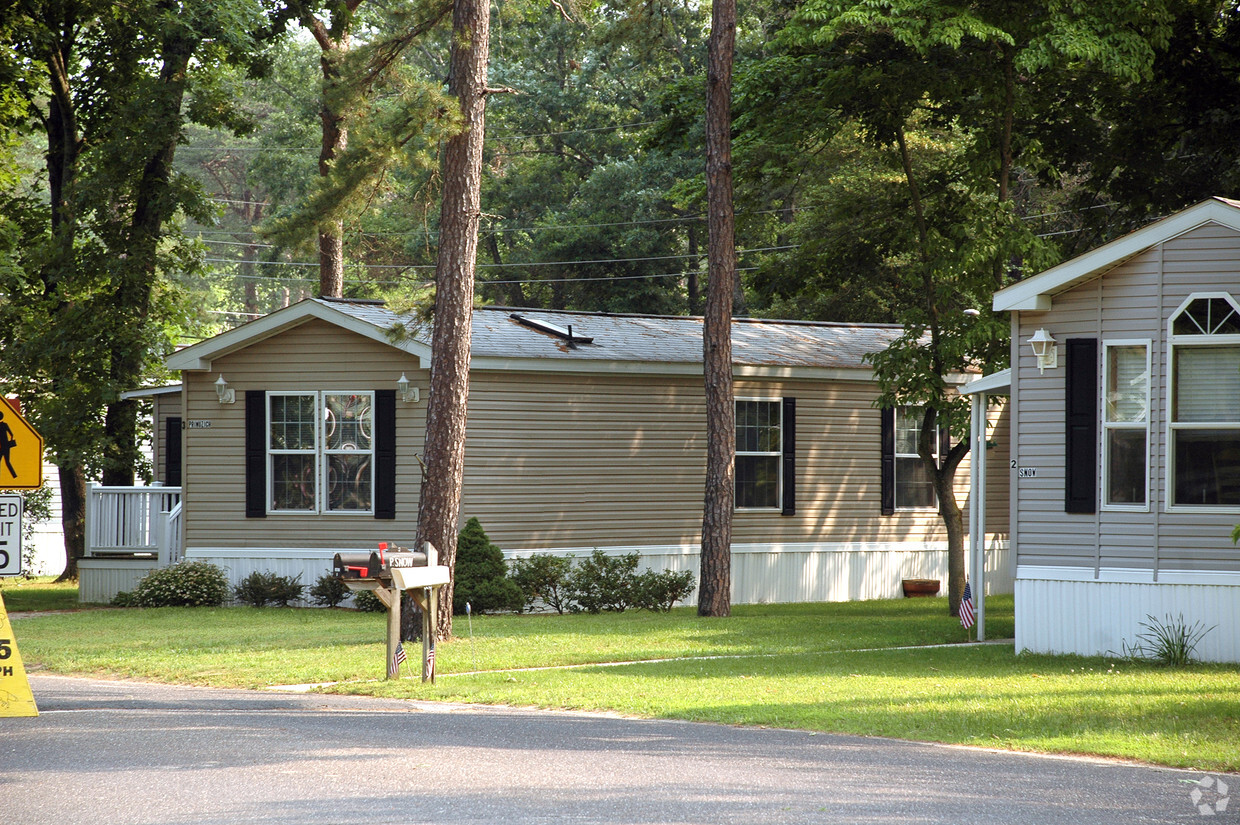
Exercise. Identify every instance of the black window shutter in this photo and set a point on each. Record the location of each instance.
(255, 454)
(385, 454)
(790, 457)
(1081, 407)
(888, 463)
(172, 451)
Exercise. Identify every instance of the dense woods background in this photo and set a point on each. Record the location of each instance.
(170, 169)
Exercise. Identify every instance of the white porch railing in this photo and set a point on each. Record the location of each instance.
(134, 520)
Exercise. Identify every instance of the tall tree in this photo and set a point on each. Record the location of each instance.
(440, 503)
(332, 30)
(961, 82)
(86, 320)
(715, 589)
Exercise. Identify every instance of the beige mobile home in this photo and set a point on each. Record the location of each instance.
(1126, 438)
(303, 432)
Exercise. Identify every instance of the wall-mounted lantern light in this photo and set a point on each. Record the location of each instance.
(1045, 350)
(225, 393)
(407, 392)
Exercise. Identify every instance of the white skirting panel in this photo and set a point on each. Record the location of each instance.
(101, 579)
(1066, 611)
(760, 573)
(824, 572)
(308, 563)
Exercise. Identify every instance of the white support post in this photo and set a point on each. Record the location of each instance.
(977, 512)
(89, 517)
(159, 532)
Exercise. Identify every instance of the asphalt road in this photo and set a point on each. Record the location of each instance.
(107, 753)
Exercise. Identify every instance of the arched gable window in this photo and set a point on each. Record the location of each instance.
(1204, 424)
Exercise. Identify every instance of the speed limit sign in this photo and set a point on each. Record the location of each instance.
(10, 535)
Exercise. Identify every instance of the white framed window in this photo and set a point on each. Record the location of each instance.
(320, 452)
(914, 488)
(1126, 424)
(1203, 430)
(759, 453)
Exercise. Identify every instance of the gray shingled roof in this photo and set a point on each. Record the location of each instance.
(650, 338)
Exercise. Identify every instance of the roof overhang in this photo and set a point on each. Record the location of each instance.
(997, 383)
(200, 355)
(148, 392)
(1036, 294)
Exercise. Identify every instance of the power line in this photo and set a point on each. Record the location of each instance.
(604, 278)
(504, 266)
(487, 138)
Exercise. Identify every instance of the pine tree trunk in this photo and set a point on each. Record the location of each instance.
(331, 232)
(714, 590)
(334, 139)
(439, 511)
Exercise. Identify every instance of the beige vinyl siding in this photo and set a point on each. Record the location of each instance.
(998, 471)
(1132, 301)
(554, 460)
(557, 460)
(313, 356)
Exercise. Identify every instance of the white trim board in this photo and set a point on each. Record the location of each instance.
(1127, 575)
(1035, 294)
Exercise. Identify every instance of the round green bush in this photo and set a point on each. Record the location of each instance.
(368, 602)
(186, 584)
(329, 591)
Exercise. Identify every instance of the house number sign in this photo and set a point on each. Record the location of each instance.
(199, 424)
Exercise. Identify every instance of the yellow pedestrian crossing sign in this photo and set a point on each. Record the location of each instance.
(21, 451)
(15, 696)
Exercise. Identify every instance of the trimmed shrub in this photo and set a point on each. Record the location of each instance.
(259, 589)
(367, 602)
(544, 578)
(329, 590)
(123, 598)
(481, 576)
(186, 584)
(603, 582)
(659, 591)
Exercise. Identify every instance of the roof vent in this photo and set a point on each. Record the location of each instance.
(552, 329)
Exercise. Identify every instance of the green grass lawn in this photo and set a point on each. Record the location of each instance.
(793, 665)
(38, 593)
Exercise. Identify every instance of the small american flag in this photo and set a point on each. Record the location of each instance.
(430, 664)
(398, 659)
(966, 606)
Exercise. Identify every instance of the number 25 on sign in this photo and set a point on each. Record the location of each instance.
(15, 696)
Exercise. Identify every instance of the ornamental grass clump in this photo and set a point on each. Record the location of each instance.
(186, 584)
(1172, 641)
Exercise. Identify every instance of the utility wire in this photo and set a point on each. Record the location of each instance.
(487, 138)
(359, 281)
(504, 266)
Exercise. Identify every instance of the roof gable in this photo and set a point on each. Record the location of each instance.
(369, 320)
(1037, 292)
(530, 339)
